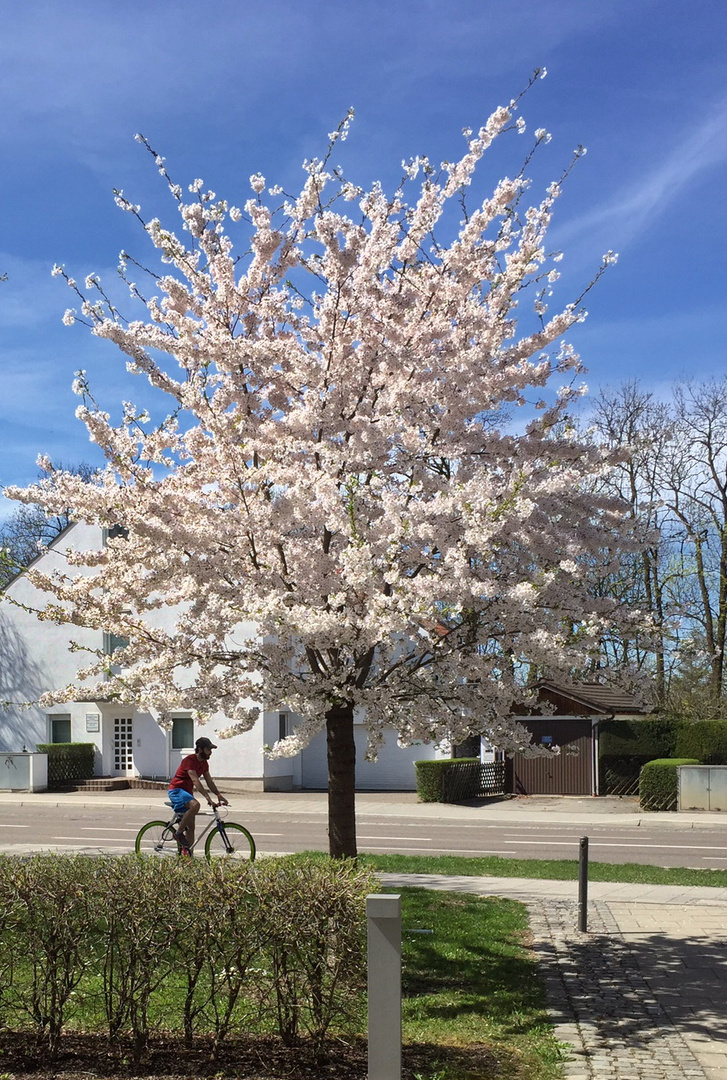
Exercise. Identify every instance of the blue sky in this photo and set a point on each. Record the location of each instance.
(232, 88)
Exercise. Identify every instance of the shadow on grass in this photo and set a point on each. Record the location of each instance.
(473, 964)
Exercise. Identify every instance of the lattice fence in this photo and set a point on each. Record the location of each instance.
(68, 762)
(620, 781)
(473, 780)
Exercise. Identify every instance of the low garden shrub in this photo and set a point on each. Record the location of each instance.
(431, 777)
(658, 783)
(49, 930)
(123, 946)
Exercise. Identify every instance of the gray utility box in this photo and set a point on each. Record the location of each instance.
(23, 771)
(702, 787)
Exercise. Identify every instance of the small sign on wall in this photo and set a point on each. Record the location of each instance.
(93, 721)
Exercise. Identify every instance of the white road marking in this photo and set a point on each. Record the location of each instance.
(451, 851)
(78, 839)
(108, 828)
(562, 843)
(380, 837)
(623, 843)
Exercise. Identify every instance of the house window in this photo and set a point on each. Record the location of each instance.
(182, 732)
(114, 532)
(111, 642)
(60, 728)
(470, 748)
(283, 731)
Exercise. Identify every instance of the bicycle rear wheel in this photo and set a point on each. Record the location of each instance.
(156, 838)
(239, 843)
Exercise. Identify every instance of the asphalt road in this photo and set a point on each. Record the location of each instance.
(112, 829)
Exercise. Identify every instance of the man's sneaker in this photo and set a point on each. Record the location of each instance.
(186, 850)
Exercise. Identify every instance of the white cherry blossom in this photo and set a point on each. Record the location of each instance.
(335, 515)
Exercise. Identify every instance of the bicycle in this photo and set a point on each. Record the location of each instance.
(226, 839)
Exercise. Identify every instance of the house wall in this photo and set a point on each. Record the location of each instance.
(35, 656)
(240, 757)
(392, 771)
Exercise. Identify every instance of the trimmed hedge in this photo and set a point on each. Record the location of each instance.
(431, 783)
(643, 740)
(122, 946)
(658, 783)
(68, 762)
(703, 739)
(625, 746)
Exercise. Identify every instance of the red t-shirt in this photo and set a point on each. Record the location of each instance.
(182, 779)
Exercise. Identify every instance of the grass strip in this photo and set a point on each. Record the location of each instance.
(546, 869)
(473, 1007)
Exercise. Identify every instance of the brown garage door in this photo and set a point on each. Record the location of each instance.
(559, 774)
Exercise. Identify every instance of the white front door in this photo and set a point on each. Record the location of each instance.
(123, 747)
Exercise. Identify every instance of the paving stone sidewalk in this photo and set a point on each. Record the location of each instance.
(607, 1000)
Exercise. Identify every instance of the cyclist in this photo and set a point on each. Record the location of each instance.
(187, 780)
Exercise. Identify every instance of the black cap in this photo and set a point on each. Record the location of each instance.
(205, 744)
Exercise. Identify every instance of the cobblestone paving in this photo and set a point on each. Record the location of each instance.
(601, 1001)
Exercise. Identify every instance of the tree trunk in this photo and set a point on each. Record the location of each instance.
(341, 782)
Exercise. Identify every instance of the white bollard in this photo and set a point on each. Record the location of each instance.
(383, 918)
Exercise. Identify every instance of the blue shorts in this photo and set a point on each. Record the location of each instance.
(180, 799)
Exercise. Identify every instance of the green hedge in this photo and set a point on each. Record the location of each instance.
(658, 783)
(642, 740)
(703, 739)
(431, 777)
(625, 746)
(123, 946)
(68, 762)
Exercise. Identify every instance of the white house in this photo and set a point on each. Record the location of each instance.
(36, 657)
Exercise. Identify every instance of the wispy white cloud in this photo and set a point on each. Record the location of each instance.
(658, 349)
(638, 204)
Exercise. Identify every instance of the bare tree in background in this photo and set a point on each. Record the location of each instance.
(628, 418)
(693, 478)
(29, 529)
(673, 474)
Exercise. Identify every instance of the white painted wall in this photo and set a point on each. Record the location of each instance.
(392, 771)
(35, 656)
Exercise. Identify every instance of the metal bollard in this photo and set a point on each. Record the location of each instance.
(383, 919)
(583, 885)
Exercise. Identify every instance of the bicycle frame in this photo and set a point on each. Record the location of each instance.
(217, 823)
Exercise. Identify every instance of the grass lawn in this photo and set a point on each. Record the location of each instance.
(552, 869)
(473, 1008)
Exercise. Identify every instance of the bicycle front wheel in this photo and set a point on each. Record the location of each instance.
(156, 838)
(237, 843)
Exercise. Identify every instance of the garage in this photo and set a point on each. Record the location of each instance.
(568, 771)
(567, 715)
